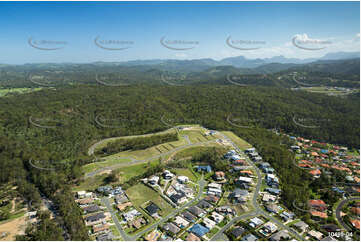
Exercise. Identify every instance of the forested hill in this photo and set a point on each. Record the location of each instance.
(44, 135)
(341, 73)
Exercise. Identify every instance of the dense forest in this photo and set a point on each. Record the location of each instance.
(45, 135)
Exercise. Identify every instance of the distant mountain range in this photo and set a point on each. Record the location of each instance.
(238, 61)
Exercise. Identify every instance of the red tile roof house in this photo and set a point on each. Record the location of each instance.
(318, 205)
(319, 214)
(355, 223)
(219, 175)
(316, 173)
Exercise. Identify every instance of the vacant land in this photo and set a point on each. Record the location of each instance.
(242, 144)
(4, 92)
(13, 228)
(139, 194)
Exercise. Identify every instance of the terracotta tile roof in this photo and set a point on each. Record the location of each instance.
(319, 214)
(315, 172)
(355, 223)
(317, 203)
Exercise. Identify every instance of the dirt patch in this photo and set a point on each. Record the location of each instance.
(105, 172)
(13, 228)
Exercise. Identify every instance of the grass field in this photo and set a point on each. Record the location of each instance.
(140, 194)
(194, 133)
(3, 92)
(242, 144)
(185, 172)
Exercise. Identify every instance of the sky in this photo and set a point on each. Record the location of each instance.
(82, 32)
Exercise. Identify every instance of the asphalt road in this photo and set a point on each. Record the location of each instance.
(126, 237)
(134, 161)
(258, 209)
(338, 212)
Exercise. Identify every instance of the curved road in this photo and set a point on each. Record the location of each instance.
(126, 237)
(259, 210)
(134, 161)
(338, 212)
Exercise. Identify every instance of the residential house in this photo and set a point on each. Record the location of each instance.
(212, 199)
(269, 227)
(225, 210)
(85, 201)
(280, 236)
(171, 228)
(178, 198)
(207, 168)
(255, 222)
(273, 208)
(181, 222)
(249, 237)
(237, 232)
(100, 228)
(153, 236)
(315, 234)
(91, 209)
(204, 204)
(318, 205)
(123, 206)
(182, 179)
(301, 226)
(137, 223)
(239, 196)
(287, 216)
(95, 219)
(121, 198)
(209, 223)
(217, 217)
(268, 197)
(199, 230)
(273, 191)
(197, 211)
(130, 215)
(192, 237)
(219, 175)
(105, 237)
(243, 180)
(189, 217)
(153, 180)
(168, 175)
(152, 209)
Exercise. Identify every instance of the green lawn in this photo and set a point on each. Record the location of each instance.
(3, 92)
(140, 194)
(186, 172)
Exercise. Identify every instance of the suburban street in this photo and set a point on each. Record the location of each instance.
(126, 237)
(339, 209)
(259, 210)
(134, 161)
